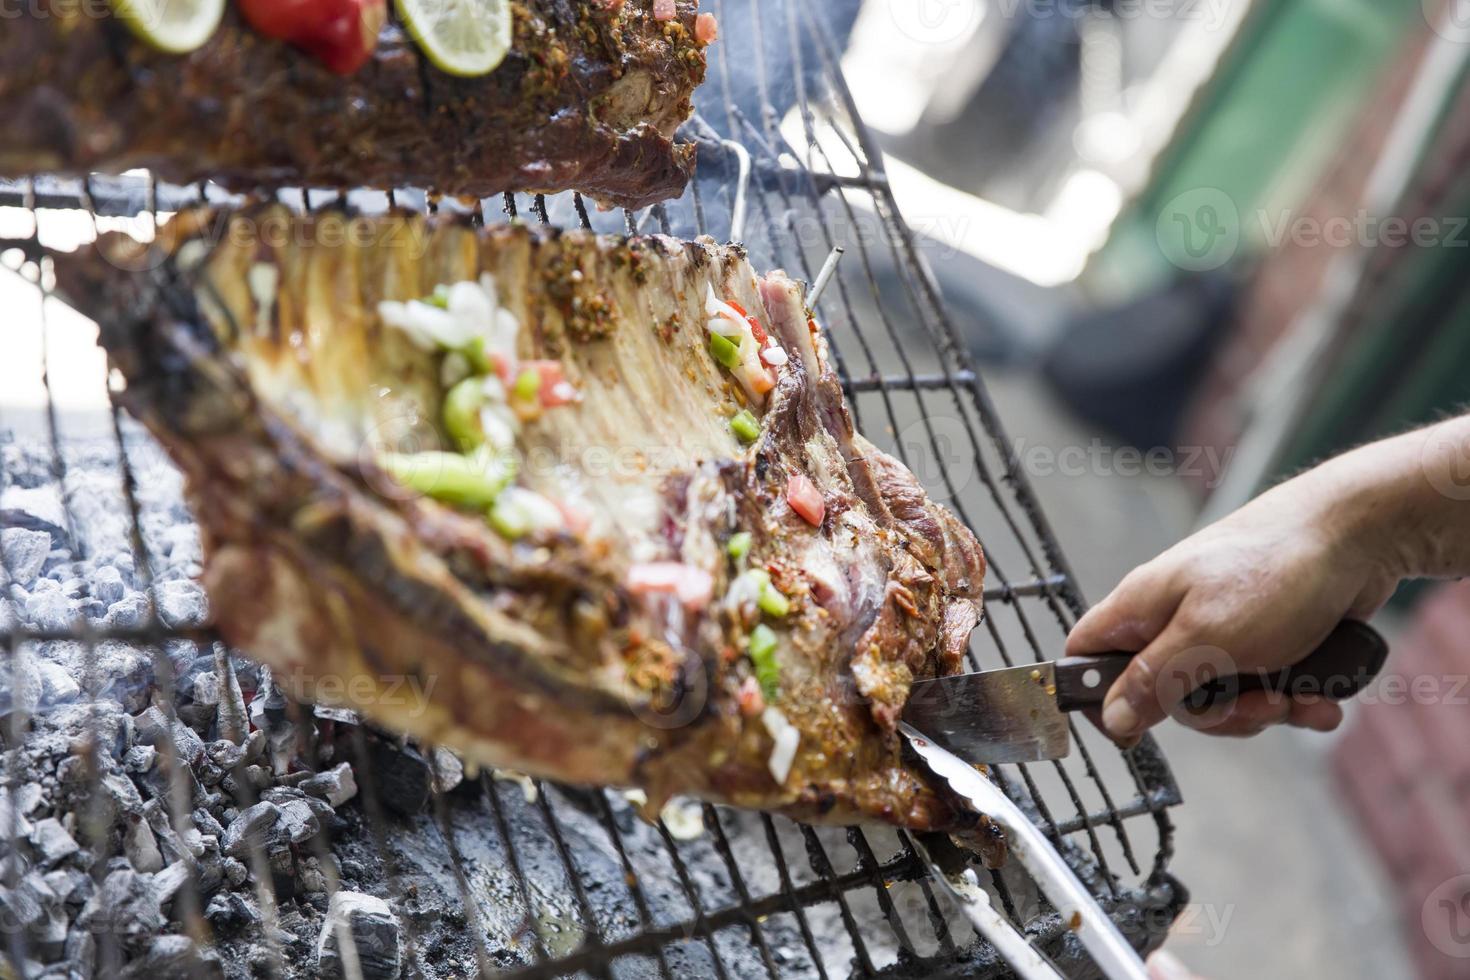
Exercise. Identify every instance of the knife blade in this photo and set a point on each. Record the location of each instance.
(1020, 714)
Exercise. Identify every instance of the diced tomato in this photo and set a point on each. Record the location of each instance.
(342, 34)
(554, 389)
(694, 586)
(806, 499)
(706, 29)
(752, 702)
(664, 10)
(755, 325)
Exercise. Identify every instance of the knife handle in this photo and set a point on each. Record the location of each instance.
(1344, 664)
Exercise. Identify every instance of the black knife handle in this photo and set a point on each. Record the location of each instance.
(1344, 664)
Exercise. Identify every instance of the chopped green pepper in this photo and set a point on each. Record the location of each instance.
(509, 519)
(745, 426)
(469, 481)
(462, 413)
(762, 652)
(722, 350)
(739, 545)
(478, 357)
(772, 602)
(527, 384)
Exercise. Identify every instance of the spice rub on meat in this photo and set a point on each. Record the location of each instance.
(604, 493)
(587, 99)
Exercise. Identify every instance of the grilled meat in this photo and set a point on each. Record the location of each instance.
(255, 350)
(588, 99)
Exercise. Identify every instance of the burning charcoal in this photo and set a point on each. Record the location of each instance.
(298, 822)
(124, 674)
(448, 770)
(232, 912)
(48, 934)
(107, 585)
(51, 842)
(49, 609)
(174, 956)
(20, 909)
(81, 954)
(336, 785)
(125, 906)
(170, 881)
(71, 885)
(25, 552)
(313, 879)
(253, 828)
(235, 872)
(140, 758)
(153, 725)
(225, 754)
(58, 687)
(180, 603)
(207, 825)
(400, 776)
(141, 846)
(370, 925)
(129, 612)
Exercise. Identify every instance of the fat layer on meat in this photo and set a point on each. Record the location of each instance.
(262, 364)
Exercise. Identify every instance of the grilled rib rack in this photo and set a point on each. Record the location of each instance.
(541, 880)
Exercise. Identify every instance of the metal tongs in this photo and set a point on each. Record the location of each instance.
(1109, 950)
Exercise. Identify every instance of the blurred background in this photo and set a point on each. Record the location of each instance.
(1194, 245)
(1197, 246)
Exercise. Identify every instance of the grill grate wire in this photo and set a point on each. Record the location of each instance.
(803, 203)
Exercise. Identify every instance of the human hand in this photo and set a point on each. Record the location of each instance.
(1257, 590)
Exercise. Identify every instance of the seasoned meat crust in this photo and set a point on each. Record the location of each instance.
(263, 364)
(588, 99)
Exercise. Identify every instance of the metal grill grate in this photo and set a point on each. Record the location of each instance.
(552, 881)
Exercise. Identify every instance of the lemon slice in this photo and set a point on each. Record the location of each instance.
(173, 26)
(461, 37)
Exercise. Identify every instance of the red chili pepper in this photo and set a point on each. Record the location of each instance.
(342, 34)
(761, 337)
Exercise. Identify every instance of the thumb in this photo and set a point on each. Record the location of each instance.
(1171, 666)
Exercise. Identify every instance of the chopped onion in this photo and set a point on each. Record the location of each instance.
(787, 739)
(774, 356)
(715, 306)
(726, 327)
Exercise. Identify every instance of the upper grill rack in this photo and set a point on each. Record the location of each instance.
(569, 883)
